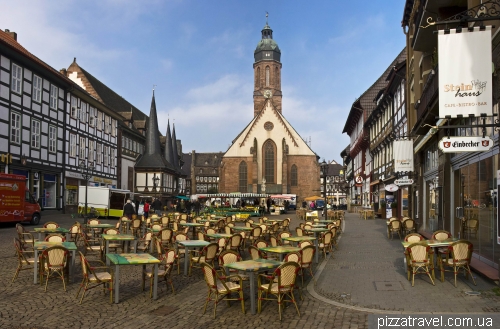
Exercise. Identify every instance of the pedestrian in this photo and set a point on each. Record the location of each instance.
(128, 209)
(268, 202)
(157, 206)
(146, 209)
(197, 207)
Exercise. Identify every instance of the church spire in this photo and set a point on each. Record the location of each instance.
(152, 136)
(169, 152)
(174, 148)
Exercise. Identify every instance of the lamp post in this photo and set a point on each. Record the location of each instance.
(156, 181)
(324, 172)
(87, 172)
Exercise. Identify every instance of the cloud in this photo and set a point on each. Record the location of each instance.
(167, 64)
(354, 32)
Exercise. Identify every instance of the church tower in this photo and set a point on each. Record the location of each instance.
(267, 71)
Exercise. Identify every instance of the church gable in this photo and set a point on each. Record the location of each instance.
(268, 124)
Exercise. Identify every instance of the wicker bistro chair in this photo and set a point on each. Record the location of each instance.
(26, 259)
(274, 241)
(234, 242)
(92, 278)
(220, 288)
(164, 271)
(471, 226)
(181, 251)
(207, 255)
(441, 235)
(136, 227)
(92, 246)
(114, 245)
(228, 257)
(284, 235)
(255, 253)
(51, 225)
(280, 284)
(458, 257)
(55, 237)
(255, 234)
(395, 227)
(74, 232)
(294, 257)
(299, 231)
(325, 243)
(303, 244)
(408, 226)
(144, 243)
(26, 238)
(420, 260)
(306, 261)
(166, 236)
(54, 261)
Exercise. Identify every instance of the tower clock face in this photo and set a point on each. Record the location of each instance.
(268, 94)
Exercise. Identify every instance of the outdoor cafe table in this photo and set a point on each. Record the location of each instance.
(194, 226)
(324, 221)
(242, 228)
(118, 237)
(47, 230)
(127, 224)
(133, 259)
(42, 245)
(299, 239)
(316, 243)
(281, 250)
(100, 226)
(189, 244)
(318, 225)
(219, 235)
(251, 267)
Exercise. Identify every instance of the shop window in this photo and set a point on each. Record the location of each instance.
(49, 191)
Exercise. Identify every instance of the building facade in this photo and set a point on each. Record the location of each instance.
(269, 156)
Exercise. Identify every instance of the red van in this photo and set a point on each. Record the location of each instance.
(16, 202)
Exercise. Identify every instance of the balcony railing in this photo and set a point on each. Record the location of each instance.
(429, 94)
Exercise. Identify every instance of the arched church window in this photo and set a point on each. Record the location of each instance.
(267, 76)
(293, 174)
(243, 177)
(269, 161)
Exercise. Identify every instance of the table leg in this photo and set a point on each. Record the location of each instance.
(251, 278)
(39, 236)
(186, 260)
(71, 269)
(117, 284)
(155, 282)
(107, 252)
(316, 256)
(35, 267)
(135, 245)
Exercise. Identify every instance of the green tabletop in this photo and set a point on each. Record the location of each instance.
(193, 243)
(219, 235)
(42, 245)
(324, 221)
(275, 220)
(254, 265)
(126, 220)
(132, 259)
(280, 249)
(242, 228)
(299, 238)
(50, 230)
(318, 225)
(191, 224)
(100, 225)
(317, 229)
(155, 230)
(208, 220)
(118, 237)
(433, 243)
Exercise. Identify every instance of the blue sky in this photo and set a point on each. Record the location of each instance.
(199, 54)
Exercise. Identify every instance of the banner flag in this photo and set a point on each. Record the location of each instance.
(465, 72)
(403, 155)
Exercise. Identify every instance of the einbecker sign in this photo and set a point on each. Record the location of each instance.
(403, 181)
(465, 144)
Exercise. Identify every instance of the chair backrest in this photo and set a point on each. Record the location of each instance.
(461, 251)
(111, 231)
(55, 238)
(210, 276)
(333, 230)
(156, 227)
(181, 237)
(166, 235)
(409, 223)
(418, 252)
(256, 232)
(413, 237)
(20, 230)
(395, 225)
(254, 252)
(285, 235)
(472, 224)
(441, 235)
(327, 238)
(228, 257)
(251, 221)
(293, 257)
(263, 227)
(169, 257)
(75, 228)
(304, 244)
(222, 242)
(299, 231)
(392, 218)
(165, 220)
(51, 225)
(285, 275)
(55, 256)
(211, 231)
(236, 240)
(136, 223)
(211, 251)
(227, 230)
(19, 250)
(201, 236)
(274, 241)
(307, 255)
(260, 243)
(94, 222)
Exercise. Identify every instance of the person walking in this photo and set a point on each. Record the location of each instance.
(128, 209)
(146, 209)
(157, 206)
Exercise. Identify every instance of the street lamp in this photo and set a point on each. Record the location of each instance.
(87, 172)
(156, 181)
(324, 172)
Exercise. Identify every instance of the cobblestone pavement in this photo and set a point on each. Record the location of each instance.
(24, 305)
(368, 272)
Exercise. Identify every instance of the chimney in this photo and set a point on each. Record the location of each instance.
(13, 35)
(64, 72)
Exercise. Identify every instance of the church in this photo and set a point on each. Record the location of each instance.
(268, 155)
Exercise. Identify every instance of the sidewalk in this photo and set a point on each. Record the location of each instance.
(367, 273)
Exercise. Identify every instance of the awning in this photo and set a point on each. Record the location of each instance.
(313, 198)
(182, 197)
(284, 197)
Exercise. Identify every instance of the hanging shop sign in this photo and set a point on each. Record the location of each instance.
(465, 144)
(391, 188)
(359, 179)
(403, 155)
(403, 181)
(465, 79)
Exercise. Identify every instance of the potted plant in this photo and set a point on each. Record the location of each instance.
(394, 205)
(382, 209)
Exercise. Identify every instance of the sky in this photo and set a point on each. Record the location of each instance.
(199, 54)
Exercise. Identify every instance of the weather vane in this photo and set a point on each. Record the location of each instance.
(267, 15)
(154, 86)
